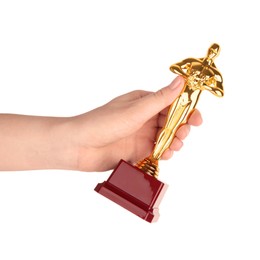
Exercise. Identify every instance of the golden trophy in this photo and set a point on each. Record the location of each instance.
(136, 187)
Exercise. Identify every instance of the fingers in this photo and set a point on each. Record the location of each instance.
(133, 95)
(194, 120)
(175, 146)
(183, 132)
(152, 104)
(167, 154)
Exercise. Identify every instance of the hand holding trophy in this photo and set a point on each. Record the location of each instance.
(136, 187)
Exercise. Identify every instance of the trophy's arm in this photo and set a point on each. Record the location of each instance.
(178, 115)
(183, 68)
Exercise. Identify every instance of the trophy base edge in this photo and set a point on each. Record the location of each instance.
(134, 190)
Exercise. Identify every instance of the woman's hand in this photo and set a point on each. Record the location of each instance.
(127, 127)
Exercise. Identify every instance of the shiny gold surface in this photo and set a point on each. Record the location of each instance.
(199, 74)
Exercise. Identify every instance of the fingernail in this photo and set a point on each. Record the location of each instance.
(176, 82)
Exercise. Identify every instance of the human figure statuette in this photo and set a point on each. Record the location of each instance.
(199, 74)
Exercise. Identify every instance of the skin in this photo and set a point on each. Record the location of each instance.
(124, 128)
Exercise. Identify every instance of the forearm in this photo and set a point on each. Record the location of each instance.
(32, 142)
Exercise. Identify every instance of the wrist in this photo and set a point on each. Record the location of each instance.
(72, 149)
(62, 145)
(80, 135)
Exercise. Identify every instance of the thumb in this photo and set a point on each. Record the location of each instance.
(155, 102)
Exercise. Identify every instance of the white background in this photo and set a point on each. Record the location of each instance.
(62, 58)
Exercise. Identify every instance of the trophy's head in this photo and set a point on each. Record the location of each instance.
(213, 51)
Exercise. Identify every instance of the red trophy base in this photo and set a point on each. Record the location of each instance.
(134, 190)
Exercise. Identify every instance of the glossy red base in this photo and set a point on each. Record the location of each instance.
(134, 190)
